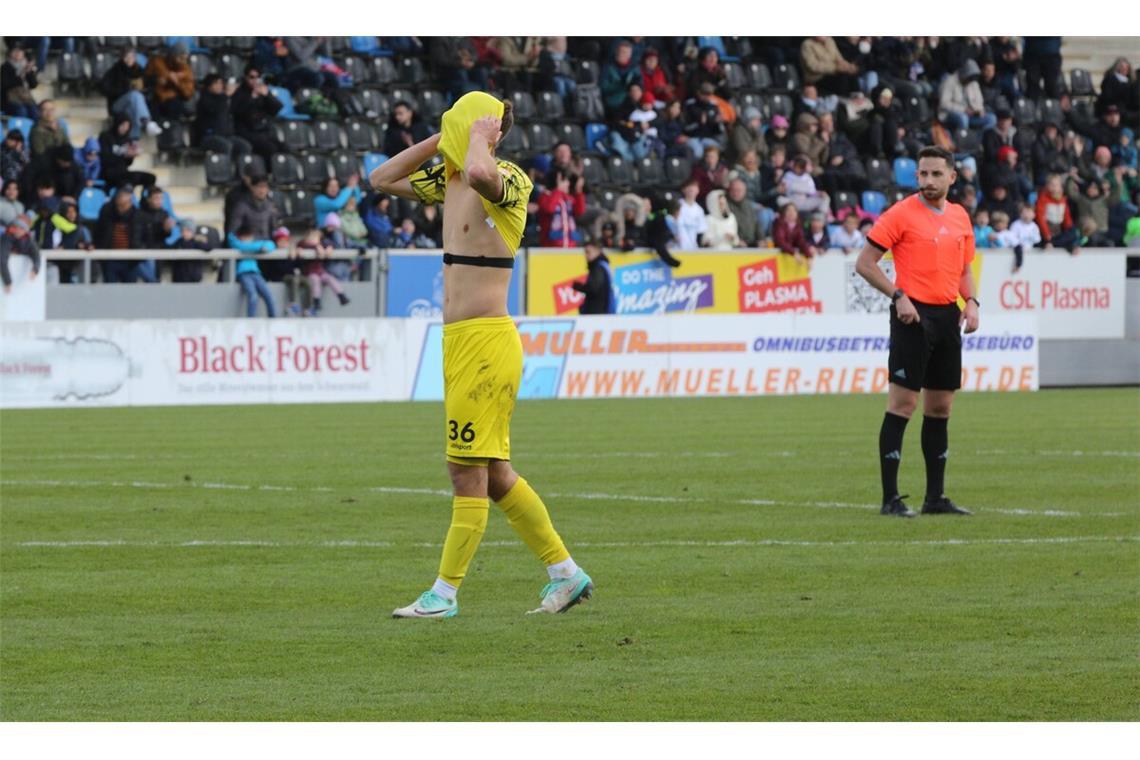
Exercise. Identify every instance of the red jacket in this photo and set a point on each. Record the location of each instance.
(707, 181)
(1046, 204)
(556, 218)
(790, 239)
(656, 83)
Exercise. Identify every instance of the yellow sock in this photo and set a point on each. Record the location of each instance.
(468, 521)
(528, 516)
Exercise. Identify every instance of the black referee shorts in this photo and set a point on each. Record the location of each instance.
(927, 354)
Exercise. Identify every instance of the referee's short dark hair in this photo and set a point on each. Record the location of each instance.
(933, 151)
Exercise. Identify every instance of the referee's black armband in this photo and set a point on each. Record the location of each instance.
(882, 248)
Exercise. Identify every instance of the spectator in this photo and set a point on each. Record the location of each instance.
(558, 209)
(747, 135)
(606, 232)
(113, 232)
(990, 86)
(315, 271)
(1049, 155)
(298, 294)
(1012, 174)
(254, 108)
(848, 238)
(408, 236)
(788, 234)
(405, 129)
(517, 57)
(634, 212)
(983, 232)
(122, 84)
(378, 222)
(333, 198)
(1124, 150)
(1091, 236)
(1054, 219)
(152, 225)
(430, 225)
(801, 190)
(749, 172)
(332, 237)
(960, 103)
(671, 131)
(662, 231)
(1042, 57)
(967, 175)
(1092, 204)
(709, 71)
(823, 65)
(457, 66)
(555, 73)
(710, 174)
(48, 132)
(10, 205)
(817, 239)
(68, 234)
(998, 199)
(853, 116)
(772, 177)
(627, 138)
(1105, 132)
(352, 225)
(744, 210)
(188, 240)
(89, 162)
(171, 81)
(59, 168)
(1021, 236)
(303, 66)
(17, 240)
(255, 210)
(843, 170)
(13, 155)
(46, 202)
(598, 287)
(885, 132)
(1119, 88)
(809, 101)
(654, 80)
(563, 161)
(18, 79)
(1003, 134)
(860, 51)
(213, 127)
(720, 224)
(704, 125)
(778, 133)
(617, 76)
(117, 151)
(690, 220)
(248, 272)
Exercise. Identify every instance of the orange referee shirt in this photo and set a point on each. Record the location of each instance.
(931, 248)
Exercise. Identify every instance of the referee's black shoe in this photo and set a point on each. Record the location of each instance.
(896, 508)
(942, 506)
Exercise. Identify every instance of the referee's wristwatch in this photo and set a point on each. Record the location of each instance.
(899, 293)
(977, 303)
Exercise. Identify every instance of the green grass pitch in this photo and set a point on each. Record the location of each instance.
(242, 563)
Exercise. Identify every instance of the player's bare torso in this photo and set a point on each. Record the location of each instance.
(470, 291)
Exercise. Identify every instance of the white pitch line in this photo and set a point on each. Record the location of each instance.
(588, 496)
(665, 543)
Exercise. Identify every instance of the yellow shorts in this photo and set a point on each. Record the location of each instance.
(482, 369)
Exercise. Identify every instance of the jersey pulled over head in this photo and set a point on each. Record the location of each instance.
(455, 126)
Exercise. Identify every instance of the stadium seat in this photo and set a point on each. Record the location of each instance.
(594, 170)
(174, 141)
(588, 104)
(375, 103)
(410, 71)
(113, 43)
(540, 137)
(337, 44)
(843, 199)
(23, 125)
(99, 64)
(91, 200)
(607, 199)
(874, 202)
(1024, 111)
(1049, 109)
(650, 172)
(737, 48)
(916, 110)
(716, 43)
(677, 170)
(72, 73)
(211, 234)
(524, 106)
(230, 66)
(745, 100)
(587, 72)
(372, 161)
(968, 141)
(620, 173)
(356, 68)
(326, 136)
(759, 78)
(361, 137)
(515, 143)
(296, 135)
(734, 76)
(219, 169)
(149, 43)
(572, 135)
(315, 170)
(905, 172)
(896, 195)
(407, 96)
(432, 105)
(879, 174)
(778, 103)
(190, 42)
(550, 106)
(1080, 83)
(241, 45)
(596, 135)
(201, 65)
(786, 78)
(298, 209)
(365, 45)
(384, 71)
(287, 111)
(286, 170)
(1084, 109)
(252, 165)
(344, 165)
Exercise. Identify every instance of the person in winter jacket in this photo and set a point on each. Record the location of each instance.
(13, 155)
(10, 205)
(249, 275)
(823, 65)
(1054, 218)
(598, 287)
(122, 84)
(788, 233)
(117, 150)
(87, 158)
(378, 222)
(745, 211)
(405, 128)
(960, 102)
(172, 81)
(654, 80)
(720, 224)
(558, 209)
(213, 127)
(710, 174)
(807, 142)
(17, 240)
(333, 197)
(254, 108)
(747, 134)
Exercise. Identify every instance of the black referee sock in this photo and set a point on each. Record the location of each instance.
(935, 449)
(890, 453)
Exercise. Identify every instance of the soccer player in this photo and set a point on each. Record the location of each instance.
(484, 212)
(932, 243)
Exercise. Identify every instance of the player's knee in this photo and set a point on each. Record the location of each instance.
(467, 480)
(501, 478)
(902, 406)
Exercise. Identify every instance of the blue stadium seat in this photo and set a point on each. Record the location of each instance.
(596, 135)
(91, 200)
(716, 43)
(22, 124)
(874, 202)
(287, 110)
(365, 45)
(906, 172)
(373, 160)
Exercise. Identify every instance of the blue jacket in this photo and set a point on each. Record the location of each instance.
(249, 246)
(324, 204)
(379, 228)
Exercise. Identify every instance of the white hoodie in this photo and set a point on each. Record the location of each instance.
(720, 229)
(1025, 234)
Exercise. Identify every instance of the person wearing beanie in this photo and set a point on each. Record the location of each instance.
(747, 134)
(10, 205)
(960, 102)
(89, 162)
(13, 155)
(314, 270)
(188, 240)
(654, 80)
(17, 240)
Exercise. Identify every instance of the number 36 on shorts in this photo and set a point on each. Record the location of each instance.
(465, 434)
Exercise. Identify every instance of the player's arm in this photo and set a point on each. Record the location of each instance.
(967, 290)
(867, 265)
(481, 171)
(391, 177)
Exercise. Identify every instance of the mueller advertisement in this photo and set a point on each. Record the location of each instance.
(415, 285)
(1072, 297)
(164, 362)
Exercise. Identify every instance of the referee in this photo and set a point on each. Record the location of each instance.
(932, 243)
